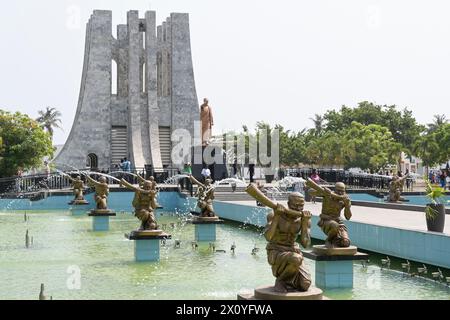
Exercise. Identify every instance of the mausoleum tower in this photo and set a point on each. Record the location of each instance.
(155, 94)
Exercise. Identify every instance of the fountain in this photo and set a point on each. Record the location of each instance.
(205, 221)
(100, 215)
(147, 237)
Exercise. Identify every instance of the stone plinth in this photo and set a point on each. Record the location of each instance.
(100, 219)
(81, 202)
(324, 250)
(334, 270)
(268, 293)
(147, 244)
(205, 228)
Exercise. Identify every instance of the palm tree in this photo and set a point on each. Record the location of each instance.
(49, 119)
(318, 124)
(438, 120)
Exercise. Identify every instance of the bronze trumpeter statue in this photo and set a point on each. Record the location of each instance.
(78, 188)
(153, 186)
(143, 199)
(283, 227)
(395, 188)
(205, 196)
(101, 192)
(330, 221)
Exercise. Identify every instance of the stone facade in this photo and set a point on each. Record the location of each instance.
(155, 89)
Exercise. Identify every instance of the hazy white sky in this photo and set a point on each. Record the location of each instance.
(278, 61)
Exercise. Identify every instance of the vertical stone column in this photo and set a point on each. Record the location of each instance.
(90, 131)
(122, 60)
(134, 90)
(151, 86)
(184, 102)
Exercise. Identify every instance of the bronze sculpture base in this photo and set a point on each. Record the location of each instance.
(79, 202)
(268, 293)
(101, 212)
(147, 235)
(334, 251)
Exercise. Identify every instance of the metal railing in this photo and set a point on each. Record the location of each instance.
(354, 180)
(58, 181)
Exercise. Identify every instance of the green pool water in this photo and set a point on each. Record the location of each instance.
(64, 246)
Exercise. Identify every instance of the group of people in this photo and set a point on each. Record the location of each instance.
(441, 178)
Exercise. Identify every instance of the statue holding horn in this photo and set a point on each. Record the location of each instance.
(283, 227)
(142, 203)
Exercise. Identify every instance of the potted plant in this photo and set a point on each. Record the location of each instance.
(434, 211)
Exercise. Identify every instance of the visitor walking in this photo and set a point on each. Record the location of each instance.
(234, 167)
(443, 179)
(251, 171)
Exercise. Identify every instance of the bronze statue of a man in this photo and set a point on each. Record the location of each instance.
(395, 188)
(330, 221)
(153, 186)
(205, 196)
(206, 118)
(283, 227)
(142, 203)
(101, 192)
(78, 187)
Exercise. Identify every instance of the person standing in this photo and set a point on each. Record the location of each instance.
(206, 173)
(443, 179)
(187, 170)
(251, 171)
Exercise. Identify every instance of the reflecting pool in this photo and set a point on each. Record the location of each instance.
(76, 263)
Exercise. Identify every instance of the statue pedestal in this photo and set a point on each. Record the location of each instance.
(100, 219)
(268, 293)
(334, 266)
(205, 228)
(78, 211)
(78, 202)
(147, 244)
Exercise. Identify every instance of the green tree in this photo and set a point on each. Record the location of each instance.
(433, 147)
(319, 124)
(438, 120)
(49, 119)
(368, 146)
(403, 126)
(25, 143)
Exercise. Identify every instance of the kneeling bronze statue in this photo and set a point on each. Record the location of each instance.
(330, 221)
(281, 231)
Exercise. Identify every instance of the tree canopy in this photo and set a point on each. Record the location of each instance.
(49, 119)
(24, 143)
(368, 136)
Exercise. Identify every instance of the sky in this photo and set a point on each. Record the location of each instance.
(256, 60)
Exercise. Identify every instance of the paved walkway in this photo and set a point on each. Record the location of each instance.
(402, 219)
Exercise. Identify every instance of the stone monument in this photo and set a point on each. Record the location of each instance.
(155, 93)
(284, 225)
(101, 213)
